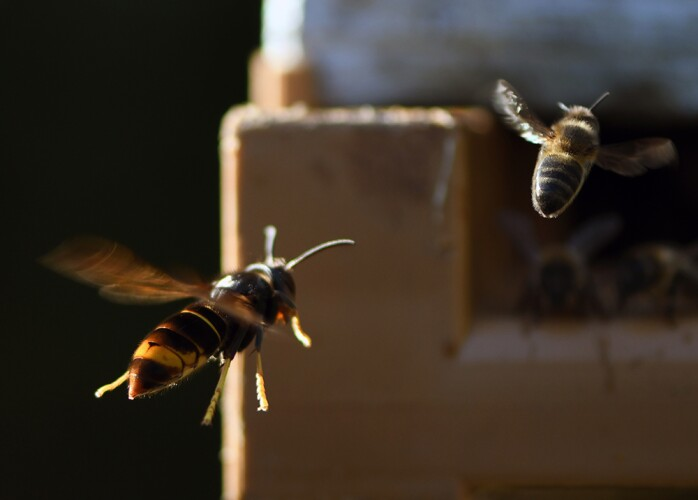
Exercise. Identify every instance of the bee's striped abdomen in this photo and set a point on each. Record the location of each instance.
(556, 181)
(175, 348)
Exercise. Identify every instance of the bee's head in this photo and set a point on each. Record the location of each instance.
(583, 114)
(637, 271)
(560, 274)
(569, 109)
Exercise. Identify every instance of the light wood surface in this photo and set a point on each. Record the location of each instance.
(379, 407)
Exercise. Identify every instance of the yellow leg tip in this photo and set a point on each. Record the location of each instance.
(259, 382)
(300, 335)
(261, 392)
(111, 386)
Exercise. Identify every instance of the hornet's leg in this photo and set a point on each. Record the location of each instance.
(289, 315)
(109, 387)
(259, 376)
(300, 335)
(208, 416)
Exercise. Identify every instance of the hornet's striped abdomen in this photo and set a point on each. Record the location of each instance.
(557, 179)
(175, 348)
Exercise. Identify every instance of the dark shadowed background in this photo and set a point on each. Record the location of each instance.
(110, 119)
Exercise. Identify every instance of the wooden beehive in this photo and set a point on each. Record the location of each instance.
(421, 382)
(380, 407)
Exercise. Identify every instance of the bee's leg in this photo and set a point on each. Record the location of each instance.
(529, 307)
(208, 416)
(592, 301)
(109, 387)
(668, 303)
(620, 302)
(609, 374)
(298, 332)
(259, 376)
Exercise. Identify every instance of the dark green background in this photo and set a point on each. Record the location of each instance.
(110, 116)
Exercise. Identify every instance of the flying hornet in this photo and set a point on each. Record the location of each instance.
(229, 313)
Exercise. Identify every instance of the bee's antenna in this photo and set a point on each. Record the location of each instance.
(316, 249)
(270, 236)
(597, 101)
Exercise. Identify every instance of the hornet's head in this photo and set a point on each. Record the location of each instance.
(279, 271)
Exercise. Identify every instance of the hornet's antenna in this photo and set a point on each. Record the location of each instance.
(316, 249)
(270, 236)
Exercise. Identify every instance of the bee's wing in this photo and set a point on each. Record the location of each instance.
(509, 103)
(634, 158)
(596, 233)
(520, 229)
(119, 274)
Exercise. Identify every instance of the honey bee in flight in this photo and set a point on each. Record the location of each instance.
(570, 147)
(228, 315)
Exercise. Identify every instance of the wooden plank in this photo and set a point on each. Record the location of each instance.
(274, 86)
(231, 405)
(363, 174)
